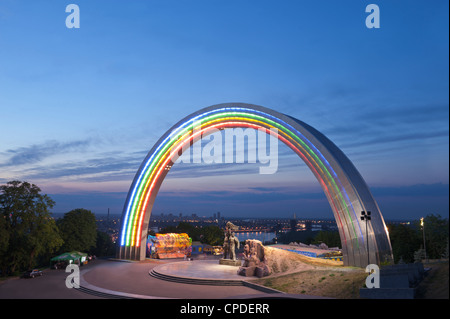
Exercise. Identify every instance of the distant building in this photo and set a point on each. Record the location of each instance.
(293, 223)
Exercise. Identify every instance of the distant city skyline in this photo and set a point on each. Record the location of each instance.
(81, 108)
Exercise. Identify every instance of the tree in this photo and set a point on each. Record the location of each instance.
(419, 255)
(192, 231)
(183, 227)
(104, 245)
(305, 237)
(330, 238)
(445, 253)
(27, 230)
(4, 242)
(436, 235)
(405, 240)
(78, 229)
(212, 235)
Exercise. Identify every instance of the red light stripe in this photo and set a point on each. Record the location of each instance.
(231, 124)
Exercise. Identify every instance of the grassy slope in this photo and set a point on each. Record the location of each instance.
(297, 274)
(435, 285)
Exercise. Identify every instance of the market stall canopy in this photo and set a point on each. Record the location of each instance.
(73, 255)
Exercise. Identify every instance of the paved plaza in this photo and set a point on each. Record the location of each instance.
(112, 279)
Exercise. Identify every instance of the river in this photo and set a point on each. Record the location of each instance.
(258, 235)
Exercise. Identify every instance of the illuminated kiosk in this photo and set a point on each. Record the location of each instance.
(169, 245)
(344, 187)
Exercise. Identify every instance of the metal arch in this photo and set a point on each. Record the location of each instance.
(355, 196)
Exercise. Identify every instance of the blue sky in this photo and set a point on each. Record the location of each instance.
(80, 108)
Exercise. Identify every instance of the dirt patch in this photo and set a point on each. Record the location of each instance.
(282, 262)
(297, 274)
(436, 284)
(331, 283)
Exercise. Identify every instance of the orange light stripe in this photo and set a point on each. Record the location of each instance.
(166, 158)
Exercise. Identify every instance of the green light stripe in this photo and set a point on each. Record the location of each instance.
(225, 115)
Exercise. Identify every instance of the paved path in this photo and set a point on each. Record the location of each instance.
(115, 277)
(204, 269)
(52, 285)
(134, 278)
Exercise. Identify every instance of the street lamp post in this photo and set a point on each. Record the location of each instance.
(423, 230)
(366, 216)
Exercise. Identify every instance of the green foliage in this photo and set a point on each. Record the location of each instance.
(183, 227)
(407, 240)
(305, 237)
(4, 236)
(211, 235)
(104, 245)
(27, 230)
(79, 230)
(330, 238)
(419, 255)
(445, 253)
(436, 235)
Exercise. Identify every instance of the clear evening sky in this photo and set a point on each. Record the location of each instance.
(80, 108)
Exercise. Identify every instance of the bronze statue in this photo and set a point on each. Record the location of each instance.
(230, 243)
(233, 244)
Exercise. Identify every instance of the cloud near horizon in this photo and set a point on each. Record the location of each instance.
(395, 202)
(36, 153)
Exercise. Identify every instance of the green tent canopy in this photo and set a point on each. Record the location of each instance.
(70, 256)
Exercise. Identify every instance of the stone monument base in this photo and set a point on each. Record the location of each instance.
(229, 262)
(258, 271)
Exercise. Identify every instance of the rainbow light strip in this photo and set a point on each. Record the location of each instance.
(230, 117)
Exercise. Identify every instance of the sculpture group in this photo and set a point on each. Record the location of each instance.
(230, 242)
(253, 262)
